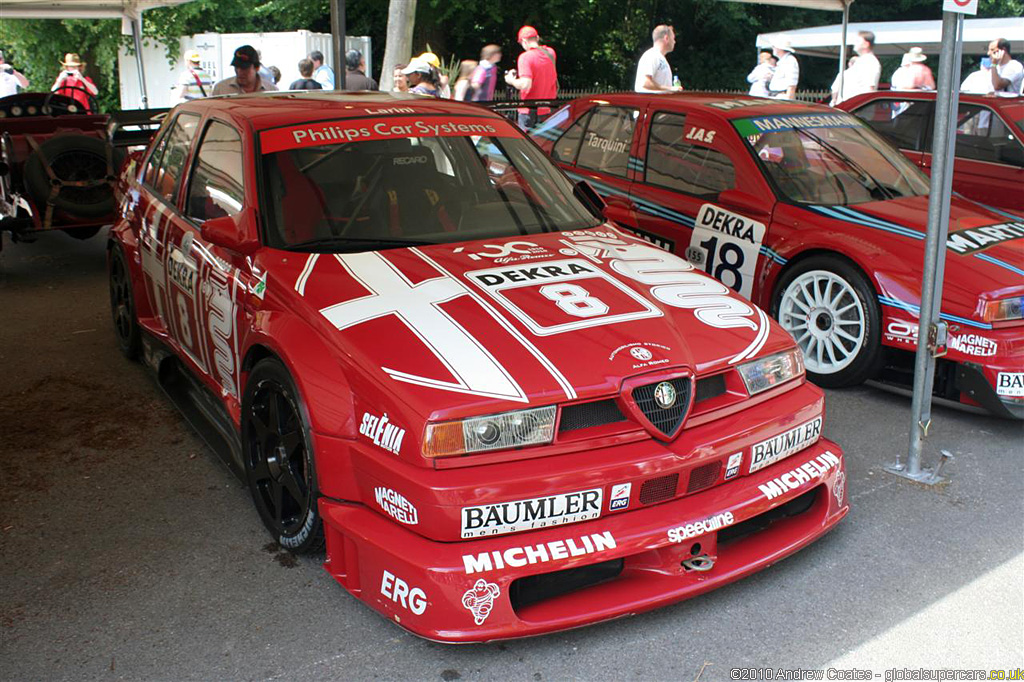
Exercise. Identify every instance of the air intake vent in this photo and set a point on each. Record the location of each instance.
(585, 415)
(649, 399)
(709, 387)
(703, 476)
(659, 489)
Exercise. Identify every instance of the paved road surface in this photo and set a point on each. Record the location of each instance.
(129, 552)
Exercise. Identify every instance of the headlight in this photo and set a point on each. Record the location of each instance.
(769, 372)
(1003, 310)
(491, 432)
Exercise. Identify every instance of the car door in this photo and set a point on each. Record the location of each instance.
(161, 184)
(698, 193)
(905, 123)
(598, 147)
(989, 165)
(223, 280)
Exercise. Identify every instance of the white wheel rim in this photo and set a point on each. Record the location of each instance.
(826, 317)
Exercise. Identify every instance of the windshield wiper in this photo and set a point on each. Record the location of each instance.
(339, 244)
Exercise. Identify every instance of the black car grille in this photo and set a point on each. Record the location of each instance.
(586, 415)
(665, 420)
(703, 476)
(659, 489)
(709, 387)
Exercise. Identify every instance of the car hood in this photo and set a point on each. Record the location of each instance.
(477, 327)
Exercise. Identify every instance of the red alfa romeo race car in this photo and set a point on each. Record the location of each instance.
(812, 215)
(416, 340)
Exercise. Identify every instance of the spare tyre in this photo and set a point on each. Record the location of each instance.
(74, 158)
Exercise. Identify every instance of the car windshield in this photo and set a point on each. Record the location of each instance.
(829, 159)
(357, 185)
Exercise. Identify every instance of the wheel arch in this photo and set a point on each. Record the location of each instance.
(812, 253)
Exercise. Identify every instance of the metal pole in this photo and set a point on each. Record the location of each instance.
(931, 334)
(842, 48)
(137, 38)
(338, 42)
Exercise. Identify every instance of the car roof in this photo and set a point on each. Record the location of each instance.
(272, 109)
(1012, 103)
(727, 105)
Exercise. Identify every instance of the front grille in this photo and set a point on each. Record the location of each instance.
(703, 476)
(585, 415)
(665, 420)
(537, 588)
(709, 387)
(659, 489)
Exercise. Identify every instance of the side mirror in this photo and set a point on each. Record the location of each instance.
(742, 202)
(235, 233)
(589, 197)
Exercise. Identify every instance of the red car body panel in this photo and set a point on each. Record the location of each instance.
(382, 343)
(986, 174)
(885, 239)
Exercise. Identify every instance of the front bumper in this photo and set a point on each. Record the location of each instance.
(586, 572)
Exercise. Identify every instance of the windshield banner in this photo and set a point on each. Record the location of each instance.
(361, 130)
(769, 124)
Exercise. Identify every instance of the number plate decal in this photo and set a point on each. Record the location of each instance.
(726, 246)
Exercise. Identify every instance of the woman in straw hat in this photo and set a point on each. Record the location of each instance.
(71, 82)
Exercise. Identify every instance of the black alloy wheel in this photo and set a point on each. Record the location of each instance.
(279, 464)
(122, 305)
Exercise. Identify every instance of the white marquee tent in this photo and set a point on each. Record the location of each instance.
(897, 37)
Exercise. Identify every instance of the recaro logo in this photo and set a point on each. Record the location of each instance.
(408, 160)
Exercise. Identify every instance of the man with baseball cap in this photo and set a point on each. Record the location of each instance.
(10, 78)
(420, 75)
(787, 71)
(247, 75)
(536, 76)
(194, 82)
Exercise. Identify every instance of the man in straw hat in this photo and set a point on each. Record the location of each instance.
(194, 82)
(73, 83)
(787, 71)
(913, 73)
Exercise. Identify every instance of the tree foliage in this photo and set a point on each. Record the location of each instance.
(598, 41)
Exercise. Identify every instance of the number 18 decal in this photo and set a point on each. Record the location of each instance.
(726, 246)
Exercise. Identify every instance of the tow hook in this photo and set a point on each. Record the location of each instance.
(701, 563)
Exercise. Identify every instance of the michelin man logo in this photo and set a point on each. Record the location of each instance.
(480, 599)
(839, 487)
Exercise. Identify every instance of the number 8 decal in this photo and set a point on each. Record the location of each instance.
(574, 300)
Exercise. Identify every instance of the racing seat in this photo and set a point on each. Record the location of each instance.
(411, 195)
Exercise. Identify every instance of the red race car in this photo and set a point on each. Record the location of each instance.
(416, 340)
(989, 166)
(57, 169)
(812, 215)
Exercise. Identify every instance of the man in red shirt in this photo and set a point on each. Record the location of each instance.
(537, 77)
(73, 83)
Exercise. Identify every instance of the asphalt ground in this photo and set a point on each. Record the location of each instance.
(129, 552)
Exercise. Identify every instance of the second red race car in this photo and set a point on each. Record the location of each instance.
(811, 214)
(418, 342)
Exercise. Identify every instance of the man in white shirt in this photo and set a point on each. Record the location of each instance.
(787, 71)
(1007, 72)
(653, 74)
(322, 74)
(863, 75)
(10, 78)
(762, 74)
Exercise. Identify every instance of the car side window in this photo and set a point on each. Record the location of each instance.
(902, 122)
(168, 172)
(216, 188)
(154, 159)
(981, 135)
(607, 140)
(568, 145)
(675, 163)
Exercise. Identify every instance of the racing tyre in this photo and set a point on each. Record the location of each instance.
(279, 462)
(74, 158)
(831, 310)
(122, 305)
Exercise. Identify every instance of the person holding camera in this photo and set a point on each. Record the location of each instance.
(71, 82)
(10, 79)
(1007, 72)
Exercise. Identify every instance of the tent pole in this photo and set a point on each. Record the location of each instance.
(338, 30)
(932, 332)
(137, 39)
(842, 49)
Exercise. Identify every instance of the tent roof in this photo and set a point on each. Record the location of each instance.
(81, 9)
(897, 37)
(835, 5)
